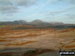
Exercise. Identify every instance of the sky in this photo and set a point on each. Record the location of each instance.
(46, 10)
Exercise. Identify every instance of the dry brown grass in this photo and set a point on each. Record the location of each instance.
(3, 40)
(5, 32)
(33, 33)
(70, 47)
(20, 43)
(66, 33)
(6, 54)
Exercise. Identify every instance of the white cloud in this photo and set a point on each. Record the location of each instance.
(10, 6)
(6, 6)
(24, 2)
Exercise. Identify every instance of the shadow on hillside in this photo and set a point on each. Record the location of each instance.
(27, 52)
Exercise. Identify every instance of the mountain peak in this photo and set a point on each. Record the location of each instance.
(37, 20)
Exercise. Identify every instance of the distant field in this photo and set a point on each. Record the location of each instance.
(2, 25)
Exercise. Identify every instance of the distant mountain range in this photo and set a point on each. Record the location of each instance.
(39, 23)
(35, 22)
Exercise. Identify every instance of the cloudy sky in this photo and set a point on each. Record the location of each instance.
(46, 10)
